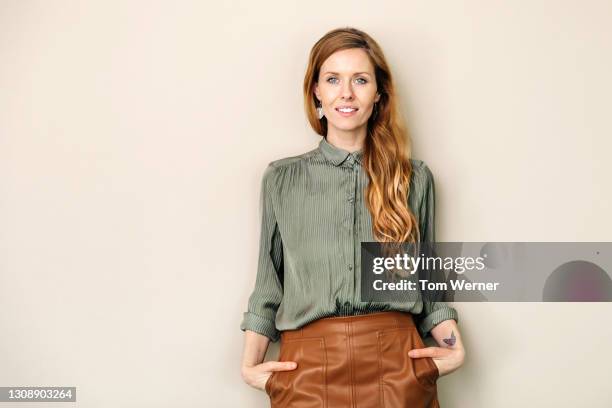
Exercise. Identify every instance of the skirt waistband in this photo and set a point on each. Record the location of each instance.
(352, 325)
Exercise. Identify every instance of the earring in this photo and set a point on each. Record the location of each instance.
(320, 113)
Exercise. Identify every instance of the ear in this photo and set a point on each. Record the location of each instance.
(377, 97)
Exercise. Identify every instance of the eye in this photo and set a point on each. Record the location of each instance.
(364, 81)
(331, 80)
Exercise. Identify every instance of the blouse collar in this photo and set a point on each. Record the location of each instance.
(337, 155)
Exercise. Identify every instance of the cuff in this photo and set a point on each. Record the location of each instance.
(261, 325)
(435, 318)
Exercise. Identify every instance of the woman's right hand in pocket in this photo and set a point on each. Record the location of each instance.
(257, 376)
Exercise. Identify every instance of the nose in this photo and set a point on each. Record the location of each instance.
(347, 90)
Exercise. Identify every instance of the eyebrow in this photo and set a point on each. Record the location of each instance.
(356, 73)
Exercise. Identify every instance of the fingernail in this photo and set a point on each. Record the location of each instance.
(411, 353)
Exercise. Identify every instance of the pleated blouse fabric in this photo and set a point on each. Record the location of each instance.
(314, 219)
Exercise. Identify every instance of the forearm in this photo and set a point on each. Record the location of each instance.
(447, 329)
(255, 347)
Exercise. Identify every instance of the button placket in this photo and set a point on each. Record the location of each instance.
(351, 200)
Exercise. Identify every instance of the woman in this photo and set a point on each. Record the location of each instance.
(358, 185)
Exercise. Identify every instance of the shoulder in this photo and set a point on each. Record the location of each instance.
(279, 167)
(292, 160)
(422, 177)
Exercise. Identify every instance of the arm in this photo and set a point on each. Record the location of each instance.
(259, 320)
(437, 318)
(268, 292)
(434, 311)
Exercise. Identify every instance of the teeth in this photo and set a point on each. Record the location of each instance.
(346, 110)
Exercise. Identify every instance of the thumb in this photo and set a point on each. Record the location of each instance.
(422, 352)
(282, 365)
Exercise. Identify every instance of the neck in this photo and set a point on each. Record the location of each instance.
(349, 140)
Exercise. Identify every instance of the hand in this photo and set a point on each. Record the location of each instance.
(447, 359)
(257, 376)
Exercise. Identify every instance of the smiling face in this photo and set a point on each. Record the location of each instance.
(347, 90)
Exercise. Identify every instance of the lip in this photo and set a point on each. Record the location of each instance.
(347, 114)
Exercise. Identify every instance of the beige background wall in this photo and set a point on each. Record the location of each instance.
(134, 134)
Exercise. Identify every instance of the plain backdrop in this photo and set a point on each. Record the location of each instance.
(133, 138)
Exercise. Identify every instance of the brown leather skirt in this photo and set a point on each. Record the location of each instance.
(354, 362)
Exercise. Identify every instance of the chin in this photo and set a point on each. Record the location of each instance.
(346, 126)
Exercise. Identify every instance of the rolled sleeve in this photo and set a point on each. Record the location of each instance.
(433, 312)
(267, 295)
(260, 325)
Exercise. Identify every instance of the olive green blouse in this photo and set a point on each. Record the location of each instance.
(314, 219)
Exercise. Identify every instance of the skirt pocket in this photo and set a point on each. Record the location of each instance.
(404, 381)
(269, 382)
(305, 385)
(428, 373)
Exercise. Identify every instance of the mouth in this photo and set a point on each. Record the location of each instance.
(346, 110)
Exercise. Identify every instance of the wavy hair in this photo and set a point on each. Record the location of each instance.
(387, 147)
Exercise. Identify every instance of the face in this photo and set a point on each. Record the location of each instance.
(347, 89)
